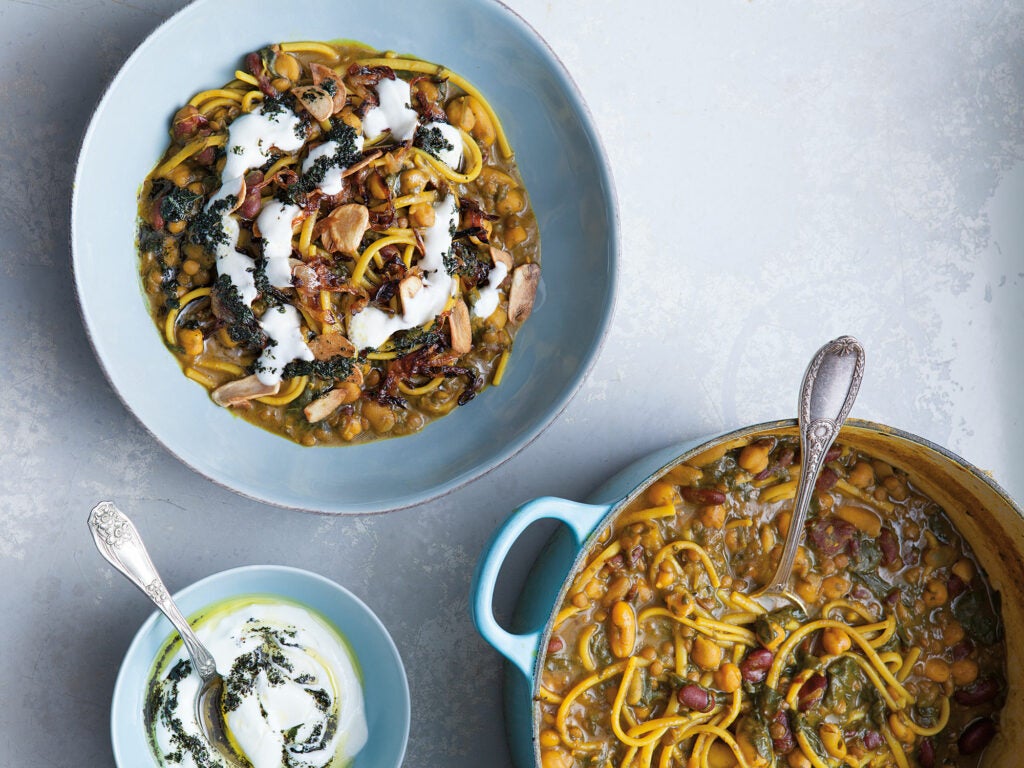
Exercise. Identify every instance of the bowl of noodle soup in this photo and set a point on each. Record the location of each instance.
(560, 161)
(634, 641)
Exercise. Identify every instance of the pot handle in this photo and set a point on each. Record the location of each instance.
(580, 518)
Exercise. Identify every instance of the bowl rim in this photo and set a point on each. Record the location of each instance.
(603, 169)
(122, 682)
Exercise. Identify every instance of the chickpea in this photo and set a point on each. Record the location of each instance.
(512, 202)
(728, 677)
(351, 119)
(964, 570)
(514, 235)
(594, 589)
(353, 426)
(421, 215)
(782, 520)
(468, 114)
(190, 267)
(648, 653)
(175, 227)
(809, 588)
(202, 277)
(684, 474)
(720, 755)
(549, 738)
(882, 470)
(835, 586)
(555, 758)
(281, 84)
(964, 672)
(382, 419)
(580, 600)
(899, 729)
(713, 516)
(428, 89)
(661, 493)
(797, 759)
(288, 66)
(191, 340)
(952, 633)
(622, 629)
(181, 175)
(412, 181)
(862, 475)
(197, 188)
(832, 738)
(706, 653)
(754, 457)
(897, 488)
(657, 668)
(935, 594)
(936, 670)
(835, 641)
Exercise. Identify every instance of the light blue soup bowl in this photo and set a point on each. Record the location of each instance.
(982, 511)
(569, 184)
(385, 688)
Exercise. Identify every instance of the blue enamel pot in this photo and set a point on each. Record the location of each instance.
(986, 516)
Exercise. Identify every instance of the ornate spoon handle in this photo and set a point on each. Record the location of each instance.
(830, 386)
(119, 542)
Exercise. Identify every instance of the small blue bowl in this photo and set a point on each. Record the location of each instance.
(563, 166)
(385, 688)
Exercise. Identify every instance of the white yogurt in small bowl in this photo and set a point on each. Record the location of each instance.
(311, 678)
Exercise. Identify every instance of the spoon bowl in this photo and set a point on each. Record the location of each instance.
(119, 542)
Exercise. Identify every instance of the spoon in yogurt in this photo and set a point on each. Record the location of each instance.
(830, 385)
(119, 542)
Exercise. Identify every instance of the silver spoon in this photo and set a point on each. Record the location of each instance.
(119, 542)
(829, 388)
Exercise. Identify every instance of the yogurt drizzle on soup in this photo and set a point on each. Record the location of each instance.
(292, 695)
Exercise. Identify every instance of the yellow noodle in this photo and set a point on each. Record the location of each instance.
(364, 259)
(848, 488)
(894, 746)
(209, 106)
(584, 648)
(202, 378)
(573, 694)
(308, 46)
(193, 147)
(543, 694)
(780, 492)
(420, 197)
(472, 167)
(625, 738)
(940, 724)
(249, 99)
(565, 613)
(594, 566)
(221, 365)
(675, 547)
(172, 316)
(499, 369)
(746, 603)
(281, 162)
(847, 605)
(908, 663)
(216, 93)
(306, 234)
(809, 753)
(651, 513)
(295, 388)
(245, 77)
(430, 386)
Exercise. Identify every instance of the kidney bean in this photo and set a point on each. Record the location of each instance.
(786, 457)
(962, 650)
(955, 587)
(812, 692)
(555, 644)
(926, 754)
(635, 554)
(860, 592)
(207, 156)
(831, 535)
(833, 453)
(827, 479)
(892, 598)
(755, 666)
(890, 546)
(872, 739)
(976, 736)
(696, 697)
(979, 692)
(782, 736)
(616, 561)
(707, 497)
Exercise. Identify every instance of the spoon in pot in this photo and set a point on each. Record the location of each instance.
(830, 386)
(119, 542)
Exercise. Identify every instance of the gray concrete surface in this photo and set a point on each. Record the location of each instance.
(787, 172)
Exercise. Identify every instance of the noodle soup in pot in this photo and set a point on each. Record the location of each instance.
(655, 656)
